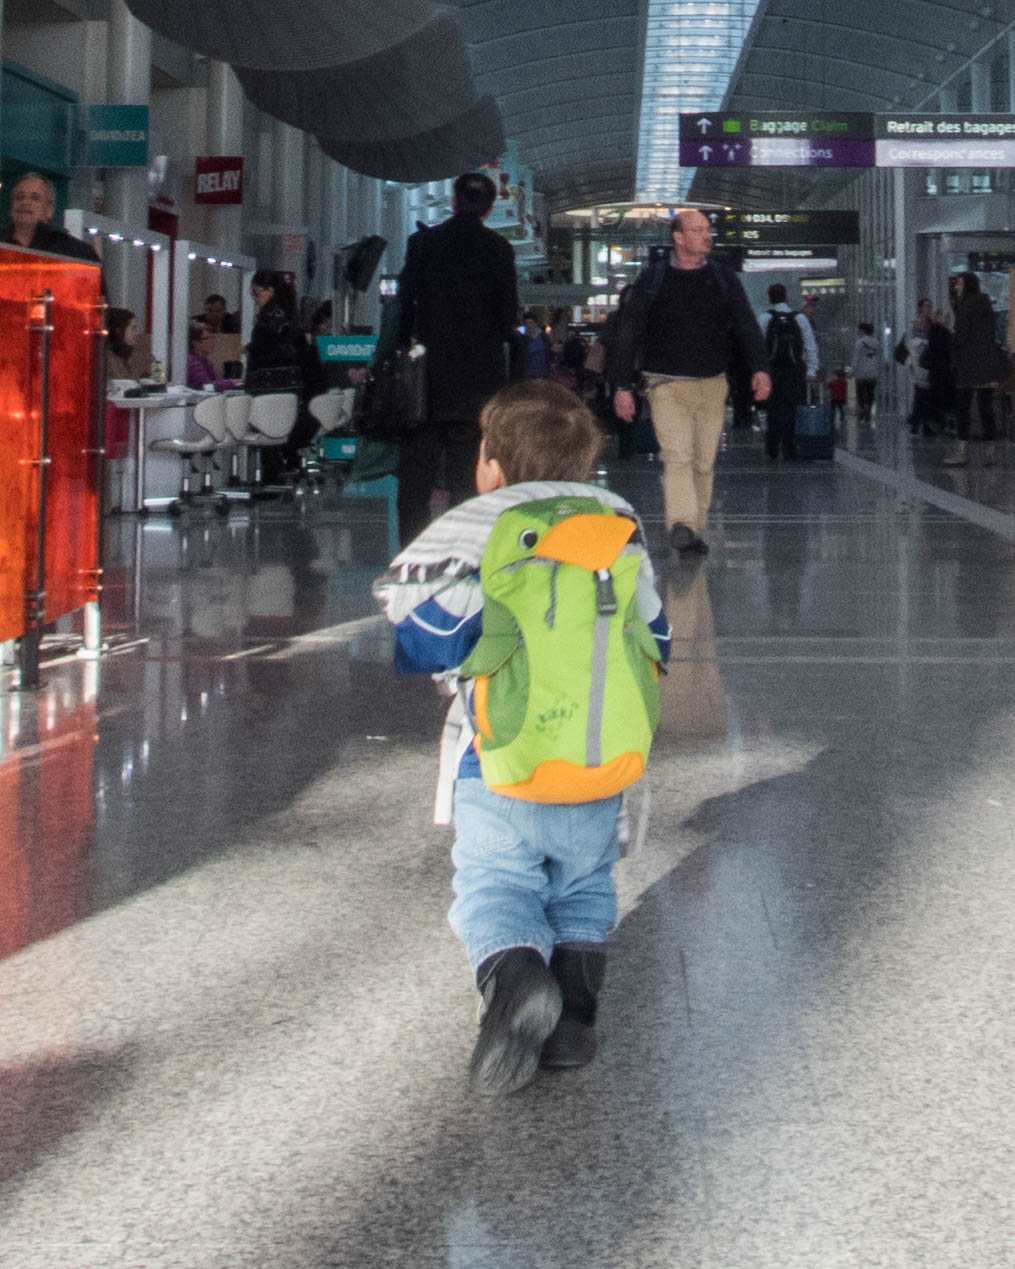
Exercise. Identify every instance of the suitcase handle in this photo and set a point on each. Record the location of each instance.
(815, 392)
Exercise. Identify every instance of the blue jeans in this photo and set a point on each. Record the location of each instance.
(531, 875)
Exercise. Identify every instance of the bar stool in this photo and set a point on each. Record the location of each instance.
(272, 417)
(237, 416)
(209, 415)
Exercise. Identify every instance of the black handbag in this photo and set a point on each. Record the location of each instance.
(393, 399)
(274, 379)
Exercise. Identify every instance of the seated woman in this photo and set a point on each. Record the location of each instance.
(200, 371)
(121, 332)
(121, 335)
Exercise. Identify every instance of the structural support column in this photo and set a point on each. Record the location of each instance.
(980, 77)
(592, 264)
(336, 234)
(395, 221)
(128, 82)
(337, 203)
(287, 193)
(905, 268)
(225, 136)
(948, 104)
(1011, 69)
(315, 218)
(369, 222)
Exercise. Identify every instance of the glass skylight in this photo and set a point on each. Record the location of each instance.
(691, 49)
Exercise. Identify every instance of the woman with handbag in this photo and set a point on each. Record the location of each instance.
(975, 361)
(274, 361)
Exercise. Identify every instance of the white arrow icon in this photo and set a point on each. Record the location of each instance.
(704, 125)
(731, 151)
(705, 151)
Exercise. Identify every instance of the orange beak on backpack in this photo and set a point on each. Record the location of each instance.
(591, 542)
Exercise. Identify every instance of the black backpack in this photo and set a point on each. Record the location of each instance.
(783, 340)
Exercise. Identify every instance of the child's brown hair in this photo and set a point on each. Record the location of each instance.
(538, 430)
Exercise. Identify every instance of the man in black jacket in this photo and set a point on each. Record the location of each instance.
(458, 296)
(33, 203)
(688, 319)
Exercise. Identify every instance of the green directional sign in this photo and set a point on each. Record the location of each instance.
(776, 139)
(845, 139)
(771, 228)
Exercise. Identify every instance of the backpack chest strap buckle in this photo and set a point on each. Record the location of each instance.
(606, 596)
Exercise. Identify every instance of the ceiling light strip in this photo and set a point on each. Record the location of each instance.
(691, 51)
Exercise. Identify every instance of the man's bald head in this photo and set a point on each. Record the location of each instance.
(692, 238)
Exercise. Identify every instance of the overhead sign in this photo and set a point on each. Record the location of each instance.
(800, 228)
(218, 179)
(780, 261)
(934, 140)
(790, 253)
(117, 136)
(346, 347)
(777, 139)
(849, 139)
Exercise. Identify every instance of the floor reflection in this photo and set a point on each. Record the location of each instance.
(47, 824)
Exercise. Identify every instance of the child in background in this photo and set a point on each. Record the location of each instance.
(534, 892)
(837, 395)
(866, 360)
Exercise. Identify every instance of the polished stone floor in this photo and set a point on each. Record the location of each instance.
(234, 1023)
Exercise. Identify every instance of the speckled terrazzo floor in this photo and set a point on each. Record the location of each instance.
(234, 1023)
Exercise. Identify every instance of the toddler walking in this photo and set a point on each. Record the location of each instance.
(535, 603)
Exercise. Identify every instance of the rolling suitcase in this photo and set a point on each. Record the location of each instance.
(814, 434)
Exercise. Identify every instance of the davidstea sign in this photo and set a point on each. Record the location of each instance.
(346, 347)
(117, 136)
(218, 179)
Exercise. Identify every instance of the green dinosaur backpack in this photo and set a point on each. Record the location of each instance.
(566, 695)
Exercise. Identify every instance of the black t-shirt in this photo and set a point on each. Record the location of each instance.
(48, 237)
(687, 330)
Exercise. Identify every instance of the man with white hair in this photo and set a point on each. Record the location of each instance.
(33, 202)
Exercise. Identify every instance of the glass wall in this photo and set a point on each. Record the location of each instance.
(70, 477)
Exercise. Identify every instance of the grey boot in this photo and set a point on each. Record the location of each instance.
(957, 456)
(580, 972)
(990, 454)
(521, 1007)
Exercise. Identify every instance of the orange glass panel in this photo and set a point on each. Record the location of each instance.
(72, 476)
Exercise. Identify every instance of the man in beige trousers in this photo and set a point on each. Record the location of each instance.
(687, 322)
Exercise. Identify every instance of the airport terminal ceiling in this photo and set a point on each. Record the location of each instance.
(568, 79)
(865, 56)
(564, 81)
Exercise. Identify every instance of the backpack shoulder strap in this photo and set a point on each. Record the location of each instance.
(721, 275)
(656, 276)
